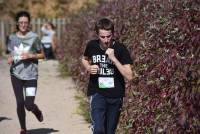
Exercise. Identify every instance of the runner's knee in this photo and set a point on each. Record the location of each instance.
(29, 106)
(20, 105)
(98, 130)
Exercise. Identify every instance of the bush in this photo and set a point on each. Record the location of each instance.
(164, 41)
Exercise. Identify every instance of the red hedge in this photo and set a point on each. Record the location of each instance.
(164, 40)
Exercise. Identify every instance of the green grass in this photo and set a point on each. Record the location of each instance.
(80, 97)
(83, 108)
(64, 71)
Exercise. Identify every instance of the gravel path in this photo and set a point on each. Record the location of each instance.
(55, 97)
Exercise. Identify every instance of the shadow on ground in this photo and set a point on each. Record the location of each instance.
(42, 131)
(4, 118)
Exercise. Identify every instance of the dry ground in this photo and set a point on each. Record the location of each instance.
(55, 97)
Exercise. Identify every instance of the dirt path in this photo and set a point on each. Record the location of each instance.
(55, 97)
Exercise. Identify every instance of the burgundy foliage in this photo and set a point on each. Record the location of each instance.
(163, 37)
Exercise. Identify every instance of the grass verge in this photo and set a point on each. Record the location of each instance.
(83, 108)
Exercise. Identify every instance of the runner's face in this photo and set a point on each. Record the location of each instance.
(105, 37)
(23, 24)
(49, 26)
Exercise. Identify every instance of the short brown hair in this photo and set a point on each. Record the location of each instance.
(104, 24)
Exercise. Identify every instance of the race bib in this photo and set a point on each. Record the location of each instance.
(106, 82)
(30, 91)
(47, 45)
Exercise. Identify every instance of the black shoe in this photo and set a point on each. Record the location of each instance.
(23, 131)
(39, 115)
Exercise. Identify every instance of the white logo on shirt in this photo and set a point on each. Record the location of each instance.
(19, 50)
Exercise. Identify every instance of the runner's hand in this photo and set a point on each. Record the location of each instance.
(27, 56)
(10, 60)
(93, 69)
(110, 53)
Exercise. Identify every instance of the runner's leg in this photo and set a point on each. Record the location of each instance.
(30, 92)
(98, 109)
(113, 114)
(18, 91)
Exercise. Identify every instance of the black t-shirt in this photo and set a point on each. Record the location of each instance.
(108, 81)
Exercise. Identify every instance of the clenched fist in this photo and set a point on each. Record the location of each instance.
(93, 69)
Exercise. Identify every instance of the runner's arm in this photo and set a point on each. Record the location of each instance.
(33, 55)
(125, 69)
(92, 69)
